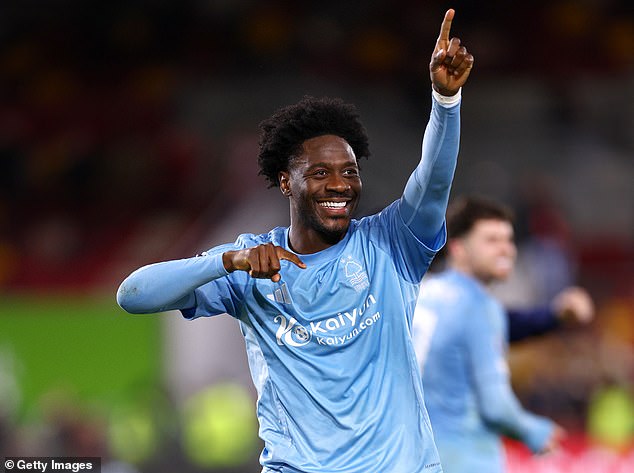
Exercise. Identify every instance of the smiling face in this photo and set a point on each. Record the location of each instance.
(487, 251)
(324, 187)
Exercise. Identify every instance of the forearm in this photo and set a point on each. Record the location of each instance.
(526, 323)
(426, 194)
(168, 285)
(501, 410)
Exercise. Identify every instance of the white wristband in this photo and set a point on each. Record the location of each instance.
(445, 101)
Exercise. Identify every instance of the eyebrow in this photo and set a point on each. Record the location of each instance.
(324, 164)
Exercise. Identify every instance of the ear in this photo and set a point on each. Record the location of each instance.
(455, 247)
(285, 185)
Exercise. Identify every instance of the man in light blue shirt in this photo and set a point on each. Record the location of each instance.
(326, 305)
(460, 338)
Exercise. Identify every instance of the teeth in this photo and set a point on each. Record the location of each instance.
(333, 205)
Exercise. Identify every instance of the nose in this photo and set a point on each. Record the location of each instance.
(337, 183)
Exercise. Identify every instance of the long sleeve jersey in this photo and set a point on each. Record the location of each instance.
(329, 347)
(460, 337)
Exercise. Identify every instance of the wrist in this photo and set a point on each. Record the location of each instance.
(227, 261)
(446, 100)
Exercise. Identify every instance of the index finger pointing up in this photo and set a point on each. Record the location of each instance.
(446, 25)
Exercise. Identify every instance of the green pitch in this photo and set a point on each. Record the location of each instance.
(87, 347)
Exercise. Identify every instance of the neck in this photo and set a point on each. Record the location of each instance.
(306, 242)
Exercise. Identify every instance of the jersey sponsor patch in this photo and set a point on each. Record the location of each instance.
(331, 331)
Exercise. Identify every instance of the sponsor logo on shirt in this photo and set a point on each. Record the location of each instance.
(355, 320)
(291, 333)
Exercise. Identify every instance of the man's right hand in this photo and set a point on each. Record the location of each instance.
(262, 261)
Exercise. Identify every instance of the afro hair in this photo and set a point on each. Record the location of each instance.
(282, 135)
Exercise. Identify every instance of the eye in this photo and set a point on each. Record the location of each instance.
(351, 172)
(319, 172)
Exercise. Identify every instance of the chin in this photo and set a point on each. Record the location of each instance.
(334, 233)
(502, 275)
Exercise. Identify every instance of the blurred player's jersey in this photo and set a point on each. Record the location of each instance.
(330, 352)
(460, 338)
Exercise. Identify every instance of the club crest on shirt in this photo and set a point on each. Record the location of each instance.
(355, 274)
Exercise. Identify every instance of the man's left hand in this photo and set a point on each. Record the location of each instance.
(450, 64)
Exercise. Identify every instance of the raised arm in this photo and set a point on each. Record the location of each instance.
(572, 305)
(426, 194)
(525, 323)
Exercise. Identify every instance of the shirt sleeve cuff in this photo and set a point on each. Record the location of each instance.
(217, 268)
(445, 101)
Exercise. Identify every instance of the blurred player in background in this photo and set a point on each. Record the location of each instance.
(326, 305)
(460, 337)
(571, 306)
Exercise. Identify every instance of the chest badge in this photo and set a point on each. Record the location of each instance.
(355, 274)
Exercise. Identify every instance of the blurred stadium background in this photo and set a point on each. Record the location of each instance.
(128, 135)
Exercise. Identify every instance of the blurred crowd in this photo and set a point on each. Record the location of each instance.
(128, 128)
(100, 143)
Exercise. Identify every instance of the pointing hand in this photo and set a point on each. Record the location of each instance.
(262, 261)
(450, 64)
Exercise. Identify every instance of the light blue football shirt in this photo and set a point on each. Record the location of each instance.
(330, 353)
(329, 346)
(460, 338)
